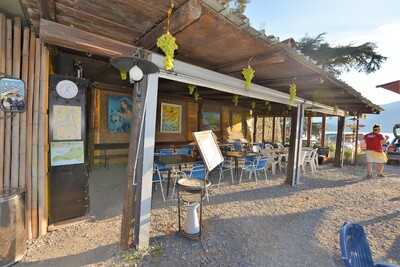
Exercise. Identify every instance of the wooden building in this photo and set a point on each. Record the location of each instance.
(49, 40)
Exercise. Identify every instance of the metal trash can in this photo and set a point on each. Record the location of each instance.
(12, 226)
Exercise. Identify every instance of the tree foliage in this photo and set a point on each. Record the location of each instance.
(336, 59)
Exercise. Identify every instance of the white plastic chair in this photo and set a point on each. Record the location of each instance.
(308, 159)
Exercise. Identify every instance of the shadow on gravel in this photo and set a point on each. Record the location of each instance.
(280, 240)
(394, 252)
(93, 256)
(380, 219)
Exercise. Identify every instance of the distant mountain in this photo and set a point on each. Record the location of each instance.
(387, 118)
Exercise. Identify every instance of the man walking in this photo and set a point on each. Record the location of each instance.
(375, 155)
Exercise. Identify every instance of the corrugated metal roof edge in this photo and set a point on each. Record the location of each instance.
(242, 22)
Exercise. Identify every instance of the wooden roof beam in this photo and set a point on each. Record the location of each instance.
(181, 18)
(55, 34)
(47, 9)
(270, 58)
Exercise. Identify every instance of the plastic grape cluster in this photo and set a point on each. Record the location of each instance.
(248, 74)
(292, 92)
(167, 43)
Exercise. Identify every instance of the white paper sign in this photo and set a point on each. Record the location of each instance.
(209, 149)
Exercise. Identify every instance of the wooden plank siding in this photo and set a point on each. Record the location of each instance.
(20, 153)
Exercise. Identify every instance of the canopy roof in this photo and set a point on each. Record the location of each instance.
(392, 86)
(210, 35)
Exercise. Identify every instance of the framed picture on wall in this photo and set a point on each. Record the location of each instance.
(171, 118)
(211, 120)
(119, 113)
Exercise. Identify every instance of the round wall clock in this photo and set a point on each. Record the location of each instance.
(67, 89)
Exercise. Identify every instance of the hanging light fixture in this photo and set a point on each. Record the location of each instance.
(135, 66)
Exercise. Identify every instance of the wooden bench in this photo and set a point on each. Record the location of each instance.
(105, 147)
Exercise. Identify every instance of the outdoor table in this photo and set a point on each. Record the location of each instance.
(236, 155)
(175, 161)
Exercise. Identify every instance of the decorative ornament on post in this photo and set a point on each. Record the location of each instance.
(196, 95)
(248, 74)
(235, 100)
(167, 43)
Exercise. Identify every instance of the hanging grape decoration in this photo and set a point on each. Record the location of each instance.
(235, 100)
(167, 43)
(191, 88)
(292, 92)
(253, 105)
(248, 74)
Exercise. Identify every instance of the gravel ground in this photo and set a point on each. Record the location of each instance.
(263, 224)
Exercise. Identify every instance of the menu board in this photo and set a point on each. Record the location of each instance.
(209, 149)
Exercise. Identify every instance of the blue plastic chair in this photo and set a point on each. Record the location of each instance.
(237, 146)
(166, 152)
(157, 178)
(226, 166)
(261, 166)
(185, 151)
(199, 172)
(355, 248)
(249, 164)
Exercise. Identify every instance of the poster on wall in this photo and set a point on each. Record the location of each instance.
(67, 153)
(119, 114)
(171, 118)
(211, 120)
(66, 122)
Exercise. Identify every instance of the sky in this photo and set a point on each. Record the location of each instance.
(344, 21)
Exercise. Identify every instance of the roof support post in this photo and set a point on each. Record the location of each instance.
(143, 209)
(263, 129)
(339, 143)
(254, 127)
(356, 140)
(284, 130)
(273, 129)
(309, 127)
(323, 130)
(296, 132)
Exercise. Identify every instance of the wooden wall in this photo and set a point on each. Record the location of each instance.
(23, 136)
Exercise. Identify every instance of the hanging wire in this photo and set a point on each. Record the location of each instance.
(171, 8)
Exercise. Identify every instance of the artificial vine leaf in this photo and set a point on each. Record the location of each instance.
(253, 104)
(235, 100)
(196, 96)
(191, 88)
(248, 74)
(167, 43)
(292, 92)
(123, 74)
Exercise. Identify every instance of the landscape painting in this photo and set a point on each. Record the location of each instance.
(171, 118)
(211, 120)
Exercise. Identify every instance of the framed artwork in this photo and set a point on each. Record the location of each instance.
(119, 113)
(111, 116)
(67, 153)
(67, 122)
(171, 118)
(236, 122)
(211, 120)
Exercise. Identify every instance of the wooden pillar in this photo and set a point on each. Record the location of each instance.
(339, 142)
(263, 129)
(284, 130)
(43, 141)
(356, 140)
(273, 129)
(254, 127)
(296, 132)
(309, 127)
(3, 39)
(323, 129)
(142, 223)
